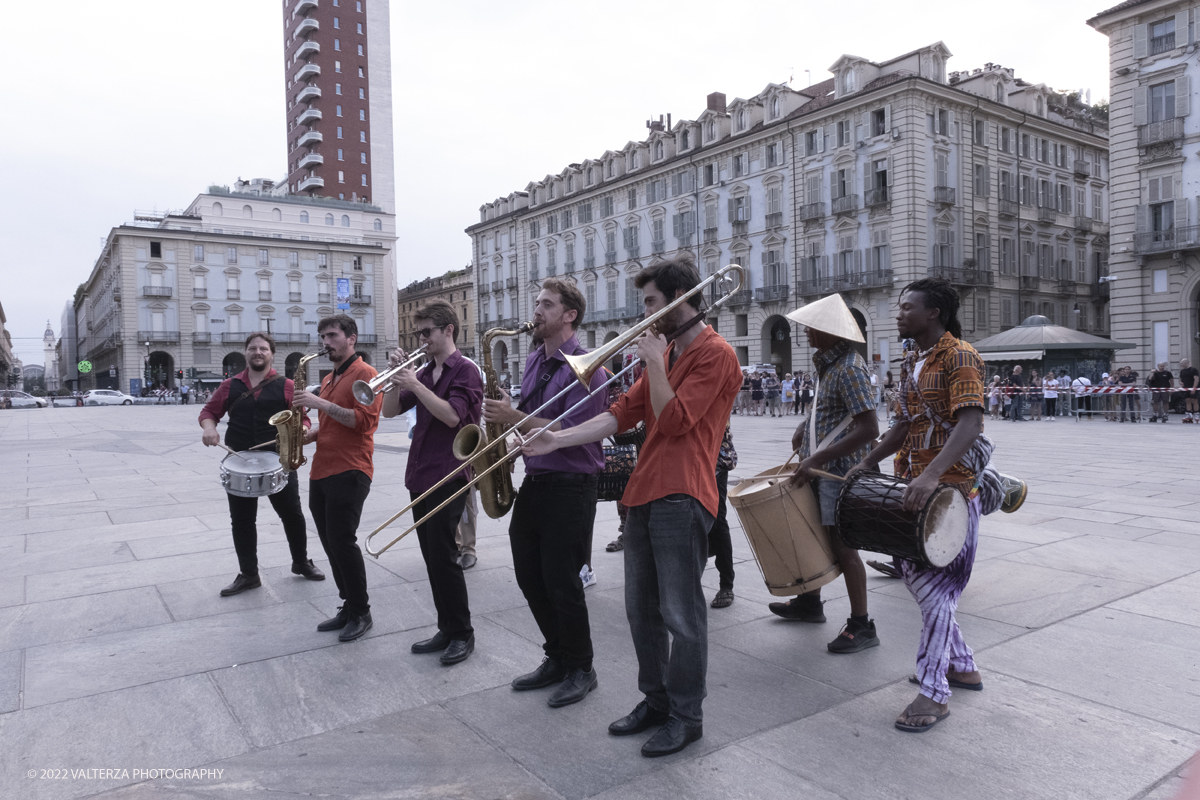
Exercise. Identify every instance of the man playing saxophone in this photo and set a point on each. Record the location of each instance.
(251, 398)
(342, 468)
(447, 393)
(551, 527)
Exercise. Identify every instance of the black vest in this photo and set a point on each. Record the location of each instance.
(249, 420)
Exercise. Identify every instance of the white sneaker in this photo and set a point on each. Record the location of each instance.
(587, 576)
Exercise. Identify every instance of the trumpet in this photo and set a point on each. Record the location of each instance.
(584, 367)
(365, 392)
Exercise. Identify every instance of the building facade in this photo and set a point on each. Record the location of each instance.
(50, 359)
(180, 291)
(1155, 179)
(456, 287)
(337, 80)
(10, 371)
(883, 174)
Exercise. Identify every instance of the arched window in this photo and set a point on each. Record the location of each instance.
(247, 212)
(712, 130)
(345, 221)
(533, 197)
(590, 177)
(741, 119)
(304, 217)
(774, 107)
(610, 168)
(683, 141)
(570, 183)
(999, 92)
(329, 219)
(378, 224)
(276, 214)
(217, 210)
(1041, 107)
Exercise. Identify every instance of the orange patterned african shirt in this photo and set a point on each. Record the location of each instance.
(950, 379)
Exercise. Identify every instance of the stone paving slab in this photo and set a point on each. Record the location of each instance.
(115, 649)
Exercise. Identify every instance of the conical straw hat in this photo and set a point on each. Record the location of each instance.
(829, 315)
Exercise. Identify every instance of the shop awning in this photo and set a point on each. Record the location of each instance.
(1014, 355)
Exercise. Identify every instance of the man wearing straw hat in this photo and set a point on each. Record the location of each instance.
(835, 438)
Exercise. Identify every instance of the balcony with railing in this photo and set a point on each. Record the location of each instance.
(1083, 168)
(306, 27)
(311, 160)
(1031, 283)
(1047, 215)
(1101, 290)
(510, 283)
(658, 246)
(964, 276)
(311, 183)
(294, 297)
(710, 235)
(199, 337)
(309, 116)
(741, 228)
(199, 293)
(771, 294)
(1066, 286)
(308, 49)
(775, 220)
(305, 6)
(310, 138)
(1083, 224)
(306, 72)
(308, 94)
(877, 197)
(156, 291)
(1008, 208)
(551, 271)
(158, 336)
(1172, 240)
(497, 285)
(296, 338)
(739, 298)
(323, 297)
(367, 338)
(1161, 44)
(233, 337)
(944, 195)
(264, 295)
(1167, 130)
(826, 284)
(633, 252)
(589, 262)
(846, 204)
(360, 299)
(610, 257)
(568, 268)
(233, 294)
(812, 211)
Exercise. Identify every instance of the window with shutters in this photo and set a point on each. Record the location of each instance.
(1162, 101)
(1045, 195)
(1046, 261)
(981, 314)
(943, 248)
(813, 143)
(1007, 256)
(774, 154)
(569, 263)
(632, 199)
(943, 122)
(551, 257)
(1161, 196)
(534, 229)
(983, 258)
(841, 183)
(684, 225)
(552, 223)
(230, 255)
(1081, 265)
(942, 169)
(657, 241)
(1063, 265)
(739, 209)
(710, 174)
(1026, 190)
(1064, 198)
(1027, 253)
(774, 200)
(589, 252)
(843, 133)
(198, 252)
(1006, 186)
(710, 217)
(1006, 312)
(610, 246)
(878, 122)
(566, 218)
(739, 165)
(1006, 140)
(1080, 201)
(1025, 145)
(631, 240)
(1097, 207)
(980, 133)
(606, 207)
(812, 192)
(633, 296)
(533, 267)
(881, 252)
(589, 295)
(1162, 36)
(981, 180)
(585, 212)
(1044, 151)
(611, 293)
(772, 268)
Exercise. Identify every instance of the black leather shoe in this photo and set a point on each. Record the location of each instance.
(435, 644)
(642, 718)
(574, 687)
(547, 673)
(240, 584)
(799, 609)
(671, 738)
(467, 560)
(336, 622)
(309, 570)
(356, 627)
(458, 651)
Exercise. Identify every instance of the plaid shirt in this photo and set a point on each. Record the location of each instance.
(951, 379)
(845, 390)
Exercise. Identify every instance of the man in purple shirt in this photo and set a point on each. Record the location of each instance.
(551, 527)
(447, 393)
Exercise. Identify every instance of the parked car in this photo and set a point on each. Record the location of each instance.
(106, 397)
(20, 399)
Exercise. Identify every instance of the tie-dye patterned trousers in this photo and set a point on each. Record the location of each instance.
(936, 592)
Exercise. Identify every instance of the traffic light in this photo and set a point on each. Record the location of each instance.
(146, 374)
(179, 374)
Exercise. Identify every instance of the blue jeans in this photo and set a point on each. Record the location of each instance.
(1018, 405)
(666, 548)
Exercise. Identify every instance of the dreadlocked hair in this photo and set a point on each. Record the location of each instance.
(939, 294)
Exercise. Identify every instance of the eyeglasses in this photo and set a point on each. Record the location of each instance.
(425, 332)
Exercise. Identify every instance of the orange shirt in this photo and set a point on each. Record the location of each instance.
(339, 448)
(680, 453)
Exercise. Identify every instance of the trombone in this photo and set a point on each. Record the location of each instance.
(365, 392)
(584, 367)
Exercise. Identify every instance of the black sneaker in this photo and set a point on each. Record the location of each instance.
(800, 609)
(854, 637)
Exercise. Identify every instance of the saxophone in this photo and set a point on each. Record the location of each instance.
(495, 489)
(289, 424)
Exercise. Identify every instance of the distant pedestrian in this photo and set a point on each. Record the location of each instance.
(1159, 383)
(1016, 388)
(184, 391)
(1080, 387)
(1050, 394)
(756, 394)
(1189, 380)
(995, 397)
(1108, 401)
(1035, 395)
(789, 394)
(1131, 401)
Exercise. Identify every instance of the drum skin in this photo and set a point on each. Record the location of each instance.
(252, 474)
(871, 516)
(783, 525)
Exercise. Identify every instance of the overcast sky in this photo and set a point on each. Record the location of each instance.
(141, 104)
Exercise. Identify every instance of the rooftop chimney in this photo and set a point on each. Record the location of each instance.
(716, 102)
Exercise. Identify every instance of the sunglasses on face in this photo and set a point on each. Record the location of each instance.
(425, 332)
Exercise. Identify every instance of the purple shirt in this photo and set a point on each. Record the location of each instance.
(585, 458)
(430, 458)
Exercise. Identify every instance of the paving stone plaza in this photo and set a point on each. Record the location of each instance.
(116, 652)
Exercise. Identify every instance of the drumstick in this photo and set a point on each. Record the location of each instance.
(820, 473)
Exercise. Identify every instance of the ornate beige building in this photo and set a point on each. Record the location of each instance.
(179, 291)
(456, 287)
(885, 173)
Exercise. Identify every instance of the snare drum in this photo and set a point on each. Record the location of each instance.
(253, 474)
(871, 516)
(783, 525)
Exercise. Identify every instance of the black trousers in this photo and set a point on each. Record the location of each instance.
(243, 514)
(440, 552)
(336, 504)
(550, 532)
(720, 545)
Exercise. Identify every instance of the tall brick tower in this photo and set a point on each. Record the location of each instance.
(338, 79)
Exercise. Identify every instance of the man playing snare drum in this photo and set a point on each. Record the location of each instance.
(844, 424)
